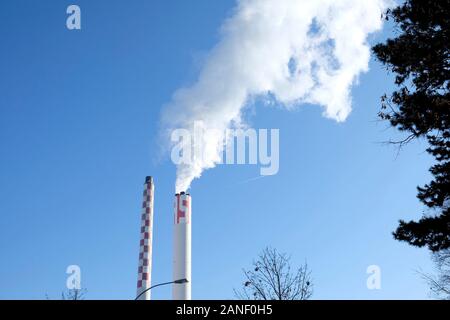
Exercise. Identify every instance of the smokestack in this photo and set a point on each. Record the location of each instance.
(145, 252)
(182, 247)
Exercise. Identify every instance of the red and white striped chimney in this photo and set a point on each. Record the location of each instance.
(145, 252)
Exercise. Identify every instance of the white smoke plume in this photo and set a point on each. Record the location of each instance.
(296, 51)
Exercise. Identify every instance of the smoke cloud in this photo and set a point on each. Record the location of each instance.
(293, 51)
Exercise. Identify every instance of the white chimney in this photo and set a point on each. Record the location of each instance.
(182, 247)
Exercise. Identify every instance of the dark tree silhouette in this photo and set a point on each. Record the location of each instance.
(419, 58)
(272, 278)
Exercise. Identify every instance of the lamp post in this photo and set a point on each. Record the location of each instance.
(179, 281)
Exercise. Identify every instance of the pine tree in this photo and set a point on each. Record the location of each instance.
(419, 58)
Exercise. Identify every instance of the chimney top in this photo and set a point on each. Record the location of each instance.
(182, 193)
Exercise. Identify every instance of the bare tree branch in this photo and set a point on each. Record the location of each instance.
(440, 282)
(272, 278)
(74, 294)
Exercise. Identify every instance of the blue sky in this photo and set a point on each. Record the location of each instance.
(78, 123)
